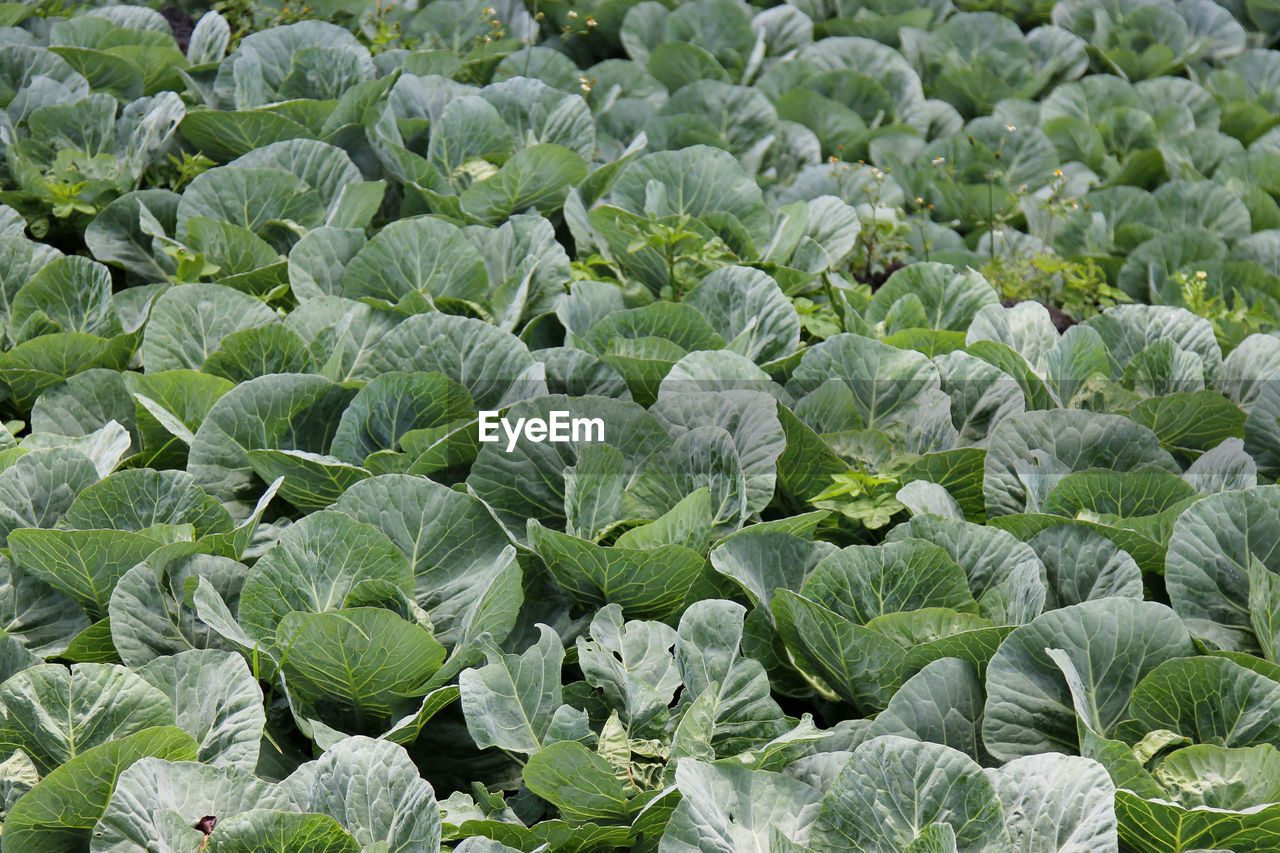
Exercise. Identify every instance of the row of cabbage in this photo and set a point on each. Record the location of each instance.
(682, 556)
(965, 127)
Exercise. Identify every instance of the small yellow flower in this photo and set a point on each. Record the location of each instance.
(591, 22)
(1201, 274)
(572, 14)
(938, 161)
(1010, 128)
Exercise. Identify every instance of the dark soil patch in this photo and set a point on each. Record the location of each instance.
(1061, 319)
(181, 24)
(877, 279)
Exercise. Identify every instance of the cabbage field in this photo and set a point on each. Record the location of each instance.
(640, 425)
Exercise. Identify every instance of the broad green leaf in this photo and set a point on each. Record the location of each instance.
(1031, 453)
(84, 404)
(934, 838)
(1227, 810)
(750, 418)
(188, 323)
(1024, 328)
(488, 362)
(807, 464)
(318, 261)
(1171, 697)
(942, 703)
(249, 198)
(1214, 545)
(892, 788)
(1113, 643)
(70, 294)
(644, 343)
(510, 701)
(93, 645)
(1035, 393)
(646, 583)
(887, 384)
(218, 702)
(226, 134)
(105, 446)
(527, 268)
(1225, 468)
(314, 567)
(578, 782)
(704, 457)
(54, 714)
(456, 548)
(699, 181)
(43, 619)
(118, 236)
(1057, 803)
(170, 405)
(631, 663)
(1100, 492)
(1076, 364)
(392, 405)
(1127, 330)
(153, 799)
(140, 498)
(325, 168)
(861, 582)
(17, 776)
(593, 492)
(280, 412)
(250, 353)
(859, 665)
(1004, 575)
(37, 489)
(469, 127)
(412, 262)
(950, 297)
(1081, 565)
(748, 309)
(309, 481)
(209, 39)
(763, 562)
(36, 365)
(708, 653)
(267, 831)
(688, 523)
(373, 790)
(537, 177)
(528, 481)
(59, 813)
(85, 564)
(396, 662)
(1199, 420)
(734, 808)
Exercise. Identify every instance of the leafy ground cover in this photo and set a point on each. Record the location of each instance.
(935, 351)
